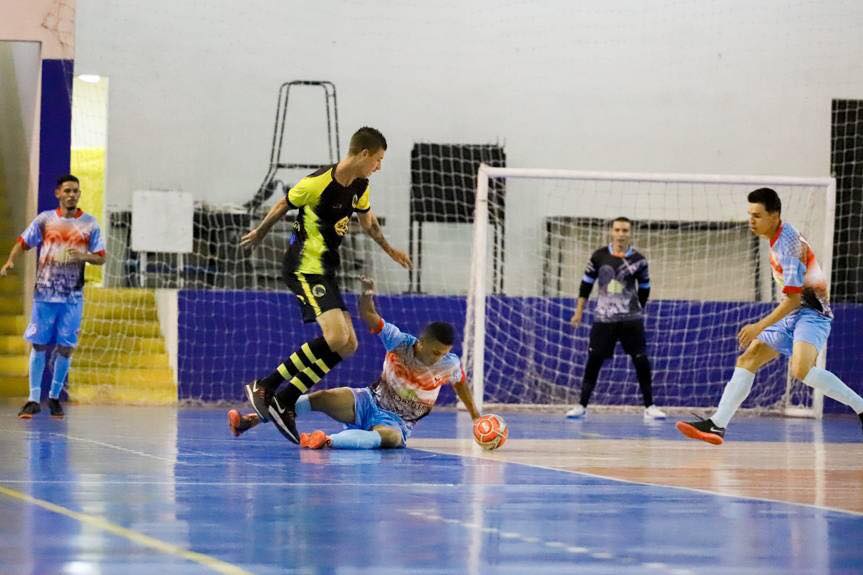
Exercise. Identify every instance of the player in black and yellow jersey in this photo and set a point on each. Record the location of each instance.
(325, 199)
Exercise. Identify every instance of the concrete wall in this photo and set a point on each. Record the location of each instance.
(733, 87)
(19, 87)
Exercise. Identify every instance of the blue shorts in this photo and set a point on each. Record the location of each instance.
(55, 323)
(802, 325)
(368, 414)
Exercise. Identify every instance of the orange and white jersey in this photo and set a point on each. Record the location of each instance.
(408, 387)
(56, 279)
(796, 270)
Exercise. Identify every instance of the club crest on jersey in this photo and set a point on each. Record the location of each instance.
(355, 201)
(341, 226)
(319, 290)
(615, 287)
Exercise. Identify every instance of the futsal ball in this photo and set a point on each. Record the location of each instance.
(490, 431)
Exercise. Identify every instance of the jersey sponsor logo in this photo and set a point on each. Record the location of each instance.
(318, 290)
(342, 225)
(615, 287)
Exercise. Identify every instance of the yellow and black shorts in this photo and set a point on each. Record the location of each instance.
(315, 294)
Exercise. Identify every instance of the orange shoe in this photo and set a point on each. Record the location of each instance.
(705, 430)
(238, 423)
(315, 440)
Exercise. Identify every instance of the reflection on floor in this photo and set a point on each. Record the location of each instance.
(145, 490)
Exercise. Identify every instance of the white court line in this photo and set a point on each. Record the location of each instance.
(597, 554)
(231, 483)
(645, 484)
(171, 460)
(477, 456)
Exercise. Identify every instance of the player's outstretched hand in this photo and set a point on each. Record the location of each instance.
(9, 265)
(367, 284)
(401, 258)
(251, 240)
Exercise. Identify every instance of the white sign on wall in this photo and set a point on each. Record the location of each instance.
(162, 221)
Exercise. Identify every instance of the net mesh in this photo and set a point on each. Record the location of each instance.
(709, 276)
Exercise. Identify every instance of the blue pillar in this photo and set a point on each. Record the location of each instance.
(55, 133)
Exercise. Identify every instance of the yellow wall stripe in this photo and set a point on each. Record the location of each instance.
(310, 297)
(299, 385)
(133, 536)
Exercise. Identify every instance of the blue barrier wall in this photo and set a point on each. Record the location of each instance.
(229, 338)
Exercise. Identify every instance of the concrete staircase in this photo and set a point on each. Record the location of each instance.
(13, 349)
(121, 357)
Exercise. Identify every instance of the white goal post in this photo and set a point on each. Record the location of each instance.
(709, 277)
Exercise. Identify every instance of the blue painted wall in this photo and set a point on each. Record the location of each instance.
(229, 338)
(55, 131)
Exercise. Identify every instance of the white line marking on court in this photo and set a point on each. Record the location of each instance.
(599, 555)
(172, 460)
(103, 524)
(225, 483)
(480, 456)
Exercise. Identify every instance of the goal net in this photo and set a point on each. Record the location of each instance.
(709, 276)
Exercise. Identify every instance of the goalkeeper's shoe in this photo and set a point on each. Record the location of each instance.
(704, 429)
(576, 412)
(653, 412)
(315, 440)
(260, 399)
(284, 416)
(240, 423)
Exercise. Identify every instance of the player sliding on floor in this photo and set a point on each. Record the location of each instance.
(383, 414)
(798, 327)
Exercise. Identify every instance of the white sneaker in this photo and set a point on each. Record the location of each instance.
(576, 412)
(654, 412)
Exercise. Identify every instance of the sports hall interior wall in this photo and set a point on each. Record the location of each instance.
(227, 338)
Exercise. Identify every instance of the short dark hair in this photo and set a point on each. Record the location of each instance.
(766, 197)
(367, 138)
(66, 178)
(622, 219)
(440, 331)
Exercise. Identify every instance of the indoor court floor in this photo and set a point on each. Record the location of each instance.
(138, 490)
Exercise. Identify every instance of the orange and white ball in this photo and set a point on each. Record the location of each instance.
(490, 431)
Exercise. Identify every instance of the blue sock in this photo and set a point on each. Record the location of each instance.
(37, 368)
(303, 406)
(61, 368)
(356, 439)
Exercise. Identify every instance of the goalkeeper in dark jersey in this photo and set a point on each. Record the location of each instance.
(325, 201)
(621, 275)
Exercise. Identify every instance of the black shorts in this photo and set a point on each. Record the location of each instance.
(604, 336)
(315, 294)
